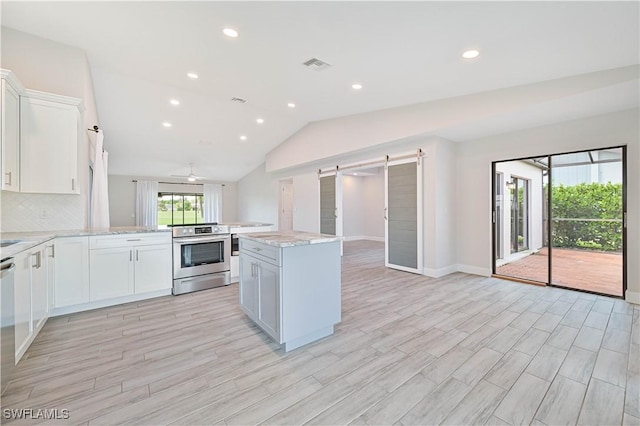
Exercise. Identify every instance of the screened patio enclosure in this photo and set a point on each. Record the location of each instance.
(560, 220)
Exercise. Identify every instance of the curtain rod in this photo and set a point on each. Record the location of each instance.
(179, 183)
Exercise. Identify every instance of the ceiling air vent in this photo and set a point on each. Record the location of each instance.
(316, 64)
(239, 100)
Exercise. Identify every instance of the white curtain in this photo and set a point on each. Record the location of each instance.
(147, 204)
(100, 188)
(212, 209)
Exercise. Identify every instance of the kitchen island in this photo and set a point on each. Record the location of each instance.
(290, 284)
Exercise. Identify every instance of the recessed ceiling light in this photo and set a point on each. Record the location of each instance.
(356, 86)
(260, 120)
(291, 105)
(166, 124)
(174, 102)
(243, 138)
(470, 54)
(230, 32)
(192, 75)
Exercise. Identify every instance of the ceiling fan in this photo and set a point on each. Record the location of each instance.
(190, 177)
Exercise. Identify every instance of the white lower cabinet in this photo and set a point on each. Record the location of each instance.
(111, 273)
(269, 298)
(153, 268)
(123, 265)
(235, 268)
(22, 307)
(291, 292)
(31, 296)
(39, 288)
(248, 286)
(260, 293)
(71, 258)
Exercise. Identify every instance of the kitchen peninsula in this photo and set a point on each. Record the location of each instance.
(290, 284)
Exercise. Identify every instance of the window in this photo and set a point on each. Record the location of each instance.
(178, 209)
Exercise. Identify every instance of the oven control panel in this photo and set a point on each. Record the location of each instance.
(199, 230)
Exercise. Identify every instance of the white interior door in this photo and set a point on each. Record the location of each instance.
(331, 203)
(285, 215)
(403, 215)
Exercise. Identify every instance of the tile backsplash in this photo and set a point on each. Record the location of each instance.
(41, 212)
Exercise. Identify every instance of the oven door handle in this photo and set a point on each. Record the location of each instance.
(189, 240)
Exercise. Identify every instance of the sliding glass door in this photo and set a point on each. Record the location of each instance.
(519, 236)
(587, 205)
(562, 220)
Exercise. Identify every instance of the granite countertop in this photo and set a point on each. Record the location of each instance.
(246, 224)
(291, 238)
(28, 240)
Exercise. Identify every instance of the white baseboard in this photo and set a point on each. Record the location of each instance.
(364, 237)
(474, 270)
(108, 302)
(440, 272)
(632, 297)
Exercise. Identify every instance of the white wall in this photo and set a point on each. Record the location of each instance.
(122, 197)
(306, 202)
(67, 73)
(445, 180)
(474, 183)
(258, 197)
(353, 206)
(520, 169)
(373, 201)
(363, 206)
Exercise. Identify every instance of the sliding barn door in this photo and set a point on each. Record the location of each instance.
(403, 215)
(331, 203)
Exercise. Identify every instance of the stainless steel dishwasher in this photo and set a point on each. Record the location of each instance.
(7, 323)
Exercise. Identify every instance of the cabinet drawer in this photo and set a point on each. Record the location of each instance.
(265, 252)
(126, 240)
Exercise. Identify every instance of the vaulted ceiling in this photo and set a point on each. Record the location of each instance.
(401, 52)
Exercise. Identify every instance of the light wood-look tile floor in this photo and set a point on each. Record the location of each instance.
(461, 349)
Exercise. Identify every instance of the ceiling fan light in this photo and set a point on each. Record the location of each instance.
(191, 179)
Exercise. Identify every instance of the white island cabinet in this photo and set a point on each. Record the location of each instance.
(290, 285)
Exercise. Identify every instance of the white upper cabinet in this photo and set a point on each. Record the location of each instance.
(49, 129)
(10, 132)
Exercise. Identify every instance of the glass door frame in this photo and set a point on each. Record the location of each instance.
(549, 195)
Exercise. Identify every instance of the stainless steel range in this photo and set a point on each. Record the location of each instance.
(201, 257)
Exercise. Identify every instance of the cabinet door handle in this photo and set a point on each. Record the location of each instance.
(38, 257)
(130, 255)
(137, 255)
(73, 184)
(135, 239)
(8, 174)
(53, 250)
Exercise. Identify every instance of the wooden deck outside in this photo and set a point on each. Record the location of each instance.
(578, 269)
